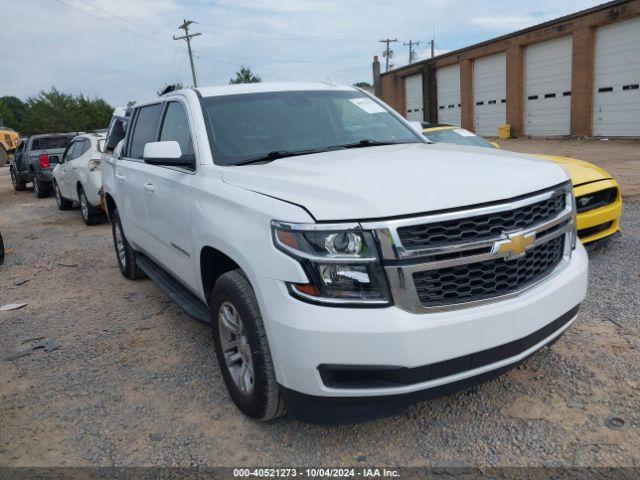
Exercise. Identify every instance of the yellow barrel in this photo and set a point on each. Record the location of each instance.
(504, 131)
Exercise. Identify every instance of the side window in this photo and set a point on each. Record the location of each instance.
(116, 133)
(71, 151)
(175, 126)
(144, 131)
(84, 146)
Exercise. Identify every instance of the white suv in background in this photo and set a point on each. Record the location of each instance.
(77, 177)
(348, 267)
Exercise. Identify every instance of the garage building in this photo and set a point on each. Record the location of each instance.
(576, 75)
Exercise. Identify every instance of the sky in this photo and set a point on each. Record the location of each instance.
(122, 50)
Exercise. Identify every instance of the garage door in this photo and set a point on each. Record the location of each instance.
(490, 93)
(548, 88)
(616, 109)
(448, 86)
(413, 95)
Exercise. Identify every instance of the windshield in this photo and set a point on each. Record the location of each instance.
(269, 125)
(458, 136)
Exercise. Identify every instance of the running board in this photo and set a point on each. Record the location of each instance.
(186, 300)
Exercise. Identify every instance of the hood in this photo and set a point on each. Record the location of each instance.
(394, 180)
(579, 170)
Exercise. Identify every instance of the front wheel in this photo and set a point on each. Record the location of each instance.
(63, 203)
(124, 253)
(242, 348)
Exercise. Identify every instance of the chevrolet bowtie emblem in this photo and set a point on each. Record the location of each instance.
(516, 244)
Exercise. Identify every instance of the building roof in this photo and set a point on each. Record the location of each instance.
(539, 26)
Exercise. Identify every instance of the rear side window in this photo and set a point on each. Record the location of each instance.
(144, 130)
(176, 127)
(48, 143)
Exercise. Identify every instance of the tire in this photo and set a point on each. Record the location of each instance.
(63, 203)
(234, 303)
(125, 255)
(40, 189)
(90, 214)
(18, 183)
(1, 250)
(4, 156)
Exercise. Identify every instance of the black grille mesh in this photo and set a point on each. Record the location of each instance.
(480, 280)
(480, 227)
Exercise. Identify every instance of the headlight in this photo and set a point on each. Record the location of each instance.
(341, 263)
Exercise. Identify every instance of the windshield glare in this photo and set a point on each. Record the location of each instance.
(457, 136)
(248, 126)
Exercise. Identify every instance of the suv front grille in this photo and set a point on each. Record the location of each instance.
(481, 280)
(480, 227)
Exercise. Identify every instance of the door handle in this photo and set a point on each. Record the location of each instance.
(150, 187)
(120, 178)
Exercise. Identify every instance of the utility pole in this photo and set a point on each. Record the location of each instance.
(388, 52)
(187, 36)
(432, 42)
(411, 44)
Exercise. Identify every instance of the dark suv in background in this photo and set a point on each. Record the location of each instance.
(34, 160)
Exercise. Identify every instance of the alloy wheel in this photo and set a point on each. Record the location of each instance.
(236, 348)
(84, 206)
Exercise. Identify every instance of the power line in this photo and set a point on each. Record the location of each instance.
(188, 37)
(112, 23)
(166, 19)
(120, 18)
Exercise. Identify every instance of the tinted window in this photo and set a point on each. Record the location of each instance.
(116, 133)
(144, 130)
(176, 127)
(48, 143)
(84, 146)
(72, 152)
(248, 126)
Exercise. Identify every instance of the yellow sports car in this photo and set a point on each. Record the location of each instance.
(598, 198)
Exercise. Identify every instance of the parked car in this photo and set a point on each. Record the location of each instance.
(598, 197)
(8, 142)
(34, 161)
(348, 267)
(76, 179)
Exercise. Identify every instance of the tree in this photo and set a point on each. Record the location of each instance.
(18, 111)
(54, 111)
(362, 84)
(7, 118)
(245, 75)
(174, 86)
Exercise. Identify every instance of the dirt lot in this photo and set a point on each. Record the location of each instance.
(134, 382)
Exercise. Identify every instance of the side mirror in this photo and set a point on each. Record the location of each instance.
(495, 145)
(167, 153)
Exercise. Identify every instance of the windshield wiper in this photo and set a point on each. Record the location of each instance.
(275, 155)
(365, 142)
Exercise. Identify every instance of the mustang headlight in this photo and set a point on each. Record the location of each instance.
(341, 263)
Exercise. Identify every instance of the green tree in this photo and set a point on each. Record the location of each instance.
(18, 111)
(54, 111)
(245, 75)
(362, 84)
(7, 118)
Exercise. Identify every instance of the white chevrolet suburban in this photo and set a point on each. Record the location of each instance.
(348, 267)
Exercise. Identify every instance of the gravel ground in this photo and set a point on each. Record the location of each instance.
(128, 380)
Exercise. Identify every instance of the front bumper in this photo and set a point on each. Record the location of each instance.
(602, 222)
(303, 337)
